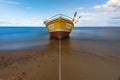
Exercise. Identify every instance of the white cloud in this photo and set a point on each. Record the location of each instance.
(12, 2)
(110, 5)
(12, 21)
(9, 21)
(111, 8)
(80, 8)
(36, 21)
(9, 2)
(2, 23)
(34, 18)
(87, 14)
(91, 19)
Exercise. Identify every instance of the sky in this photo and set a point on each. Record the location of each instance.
(34, 12)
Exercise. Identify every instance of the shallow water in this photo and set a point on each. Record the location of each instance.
(105, 33)
(25, 37)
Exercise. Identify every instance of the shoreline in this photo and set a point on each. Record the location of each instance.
(81, 59)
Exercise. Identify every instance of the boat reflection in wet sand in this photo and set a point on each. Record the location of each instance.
(60, 26)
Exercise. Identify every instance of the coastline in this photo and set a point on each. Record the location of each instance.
(81, 59)
(87, 54)
(90, 60)
(35, 63)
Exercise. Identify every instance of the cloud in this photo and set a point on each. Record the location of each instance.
(110, 5)
(9, 2)
(9, 21)
(91, 19)
(5, 23)
(87, 14)
(115, 17)
(114, 22)
(80, 8)
(36, 21)
(111, 9)
(12, 2)
(13, 21)
(34, 18)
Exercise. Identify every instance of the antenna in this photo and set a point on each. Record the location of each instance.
(75, 14)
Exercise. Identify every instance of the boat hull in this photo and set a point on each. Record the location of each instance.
(59, 34)
(60, 27)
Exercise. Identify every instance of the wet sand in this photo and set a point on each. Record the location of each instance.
(35, 63)
(81, 60)
(90, 59)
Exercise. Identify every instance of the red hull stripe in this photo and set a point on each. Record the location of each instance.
(59, 34)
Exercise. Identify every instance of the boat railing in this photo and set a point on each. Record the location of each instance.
(57, 16)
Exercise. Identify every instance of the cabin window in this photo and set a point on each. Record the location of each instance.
(51, 26)
(68, 25)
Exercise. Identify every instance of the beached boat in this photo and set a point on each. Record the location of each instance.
(59, 26)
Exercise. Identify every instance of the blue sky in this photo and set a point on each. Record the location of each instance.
(34, 12)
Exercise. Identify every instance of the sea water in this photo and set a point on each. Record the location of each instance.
(22, 33)
(101, 33)
(27, 34)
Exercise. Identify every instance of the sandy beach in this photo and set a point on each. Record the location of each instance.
(35, 63)
(80, 60)
(90, 60)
